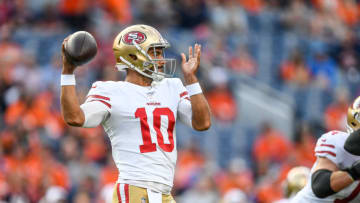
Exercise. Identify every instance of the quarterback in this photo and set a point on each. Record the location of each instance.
(139, 114)
(336, 172)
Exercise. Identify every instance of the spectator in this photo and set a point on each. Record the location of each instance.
(295, 72)
(270, 147)
(242, 62)
(323, 68)
(190, 13)
(238, 176)
(304, 145)
(75, 13)
(336, 113)
(235, 196)
(221, 100)
(203, 192)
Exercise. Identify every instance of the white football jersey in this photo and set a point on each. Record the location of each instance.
(141, 126)
(331, 146)
(282, 201)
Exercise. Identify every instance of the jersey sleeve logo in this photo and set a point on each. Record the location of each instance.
(185, 95)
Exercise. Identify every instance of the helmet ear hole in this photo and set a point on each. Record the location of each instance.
(353, 124)
(134, 57)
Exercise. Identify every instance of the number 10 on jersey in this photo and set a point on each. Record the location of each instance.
(148, 145)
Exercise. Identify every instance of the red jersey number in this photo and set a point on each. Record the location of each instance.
(147, 145)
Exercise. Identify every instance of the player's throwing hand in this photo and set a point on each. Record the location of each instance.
(68, 68)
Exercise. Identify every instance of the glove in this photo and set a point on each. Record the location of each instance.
(354, 170)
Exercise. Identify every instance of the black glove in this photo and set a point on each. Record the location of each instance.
(354, 170)
(352, 143)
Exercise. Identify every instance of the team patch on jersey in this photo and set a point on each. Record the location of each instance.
(136, 36)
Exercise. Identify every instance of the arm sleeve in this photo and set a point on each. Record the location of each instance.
(320, 183)
(95, 113)
(97, 107)
(184, 108)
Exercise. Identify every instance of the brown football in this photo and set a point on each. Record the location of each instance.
(80, 48)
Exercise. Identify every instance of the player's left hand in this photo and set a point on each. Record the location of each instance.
(191, 66)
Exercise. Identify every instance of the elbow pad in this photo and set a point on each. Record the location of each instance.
(320, 183)
(352, 143)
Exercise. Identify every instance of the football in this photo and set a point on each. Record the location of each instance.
(80, 48)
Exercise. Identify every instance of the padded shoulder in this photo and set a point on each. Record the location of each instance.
(101, 92)
(330, 145)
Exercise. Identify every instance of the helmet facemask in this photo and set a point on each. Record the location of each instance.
(152, 67)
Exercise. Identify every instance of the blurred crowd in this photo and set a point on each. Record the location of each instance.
(307, 49)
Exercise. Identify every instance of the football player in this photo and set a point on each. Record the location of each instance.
(336, 172)
(295, 180)
(139, 114)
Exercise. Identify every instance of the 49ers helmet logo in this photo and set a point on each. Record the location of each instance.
(136, 36)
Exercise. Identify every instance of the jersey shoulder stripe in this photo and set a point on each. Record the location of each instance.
(326, 152)
(99, 97)
(104, 102)
(330, 146)
(100, 91)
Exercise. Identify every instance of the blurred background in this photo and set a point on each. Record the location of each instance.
(276, 73)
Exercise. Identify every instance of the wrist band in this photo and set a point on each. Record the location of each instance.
(67, 80)
(194, 89)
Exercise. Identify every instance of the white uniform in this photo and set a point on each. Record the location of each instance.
(140, 122)
(282, 201)
(331, 146)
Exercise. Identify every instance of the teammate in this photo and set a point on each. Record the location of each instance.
(139, 114)
(295, 180)
(335, 174)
